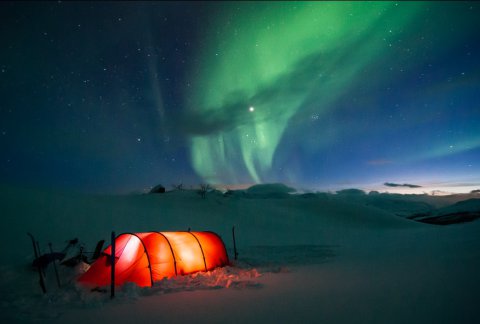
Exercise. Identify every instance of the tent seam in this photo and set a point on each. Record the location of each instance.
(171, 250)
(148, 257)
(201, 249)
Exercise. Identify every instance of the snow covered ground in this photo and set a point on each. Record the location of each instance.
(313, 258)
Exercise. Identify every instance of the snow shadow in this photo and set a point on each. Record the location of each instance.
(280, 258)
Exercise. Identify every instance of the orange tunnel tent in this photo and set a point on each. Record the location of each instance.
(144, 258)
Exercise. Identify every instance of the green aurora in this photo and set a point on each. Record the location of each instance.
(277, 59)
(316, 95)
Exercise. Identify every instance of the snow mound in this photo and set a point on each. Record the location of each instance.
(226, 277)
(351, 191)
(270, 190)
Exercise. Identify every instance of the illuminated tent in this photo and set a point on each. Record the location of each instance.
(144, 258)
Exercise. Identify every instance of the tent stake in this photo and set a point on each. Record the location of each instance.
(234, 244)
(112, 260)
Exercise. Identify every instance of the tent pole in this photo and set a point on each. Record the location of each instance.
(234, 244)
(112, 261)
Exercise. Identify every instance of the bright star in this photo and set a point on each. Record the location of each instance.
(251, 109)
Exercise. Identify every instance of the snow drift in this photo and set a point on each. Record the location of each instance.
(327, 258)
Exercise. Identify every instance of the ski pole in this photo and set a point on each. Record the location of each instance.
(35, 246)
(54, 266)
(234, 243)
(42, 270)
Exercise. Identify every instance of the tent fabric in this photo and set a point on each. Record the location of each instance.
(144, 258)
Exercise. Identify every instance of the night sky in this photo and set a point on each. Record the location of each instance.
(118, 97)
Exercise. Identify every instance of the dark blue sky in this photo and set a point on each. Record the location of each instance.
(117, 97)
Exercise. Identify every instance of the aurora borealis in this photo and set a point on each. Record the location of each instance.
(288, 61)
(122, 96)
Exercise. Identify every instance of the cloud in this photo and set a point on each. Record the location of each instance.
(391, 184)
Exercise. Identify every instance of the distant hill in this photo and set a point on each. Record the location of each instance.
(460, 212)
